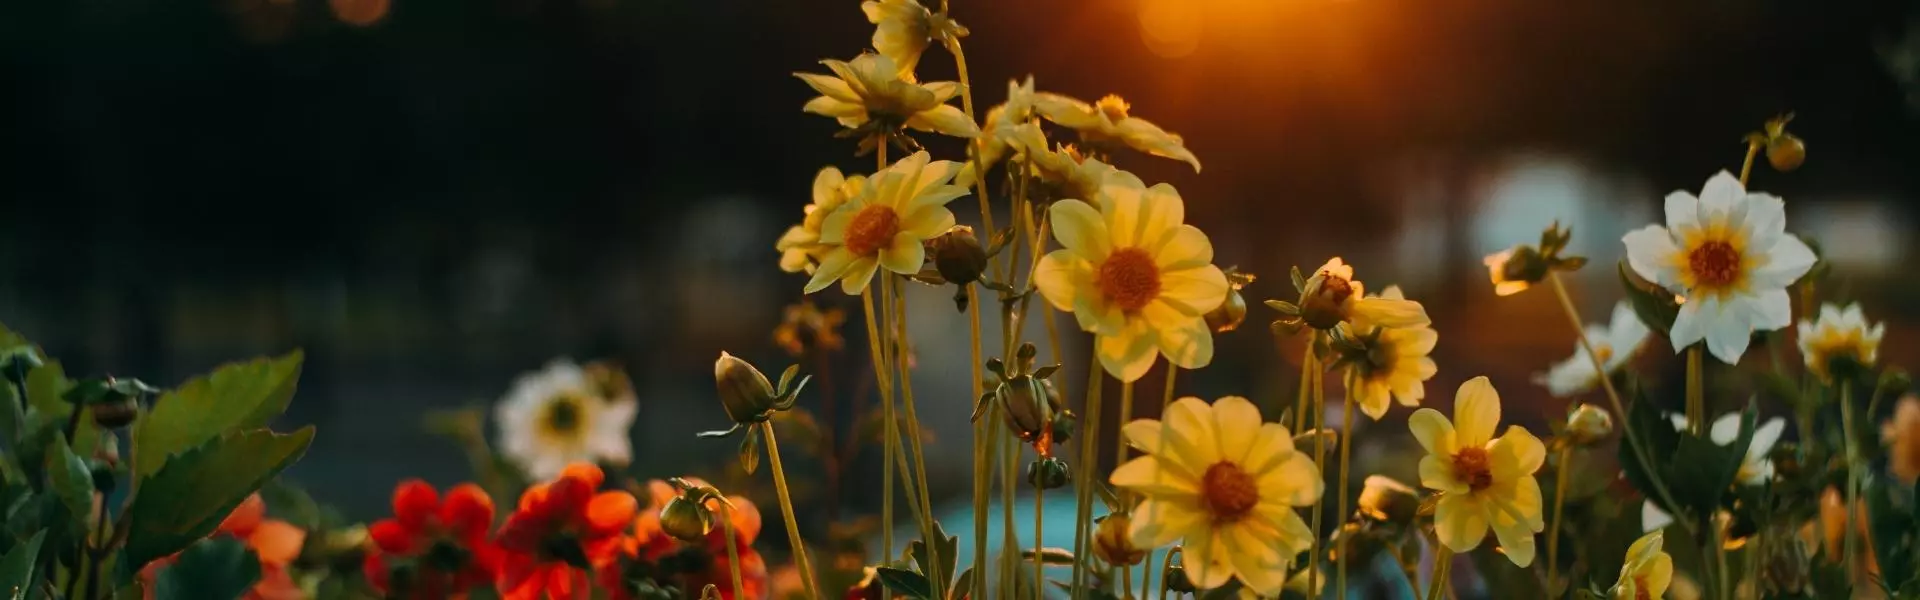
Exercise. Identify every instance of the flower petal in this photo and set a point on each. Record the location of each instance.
(1271, 446)
(414, 501)
(1236, 425)
(1205, 557)
(1433, 431)
(1295, 482)
(1787, 261)
(1188, 346)
(1460, 522)
(1650, 252)
(1683, 211)
(1652, 518)
(929, 222)
(1126, 354)
(833, 265)
(1514, 525)
(1062, 276)
(467, 511)
(611, 511)
(1080, 229)
(1436, 473)
(830, 87)
(831, 107)
(1255, 560)
(277, 542)
(858, 275)
(946, 119)
(1193, 292)
(1185, 248)
(1729, 329)
(1156, 477)
(905, 255)
(1476, 412)
(1516, 454)
(1156, 523)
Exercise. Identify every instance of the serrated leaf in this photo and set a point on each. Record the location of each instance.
(1652, 303)
(1049, 556)
(214, 569)
(188, 497)
(16, 567)
(902, 582)
(234, 396)
(70, 481)
(750, 450)
(946, 550)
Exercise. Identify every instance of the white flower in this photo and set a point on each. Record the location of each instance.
(1839, 334)
(1616, 344)
(1107, 120)
(1728, 254)
(1755, 469)
(557, 415)
(872, 88)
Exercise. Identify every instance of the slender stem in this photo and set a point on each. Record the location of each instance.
(1126, 412)
(1849, 547)
(1559, 504)
(1167, 565)
(1346, 509)
(1089, 465)
(1613, 396)
(1307, 361)
(1009, 467)
(927, 527)
(966, 104)
(1442, 569)
(786, 512)
(878, 351)
(1319, 406)
(980, 447)
(1696, 396)
(733, 554)
(1746, 166)
(1126, 582)
(1727, 582)
(1039, 542)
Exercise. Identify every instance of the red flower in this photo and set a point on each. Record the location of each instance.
(650, 544)
(433, 547)
(560, 531)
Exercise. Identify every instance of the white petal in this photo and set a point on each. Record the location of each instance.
(1683, 210)
(1772, 309)
(1765, 436)
(1651, 517)
(1690, 325)
(1728, 328)
(1787, 261)
(1649, 252)
(1721, 193)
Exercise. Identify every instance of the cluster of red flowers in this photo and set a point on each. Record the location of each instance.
(564, 538)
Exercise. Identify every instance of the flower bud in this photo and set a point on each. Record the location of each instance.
(1028, 410)
(685, 519)
(1176, 579)
(1386, 500)
(1112, 543)
(114, 412)
(744, 392)
(1786, 152)
(1230, 313)
(1588, 424)
(1324, 304)
(1048, 473)
(958, 255)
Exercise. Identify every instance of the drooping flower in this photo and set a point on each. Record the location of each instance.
(1107, 122)
(1391, 363)
(1755, 469)
(1226, 485)
(887, 224)
(1616, 344)
(872, 91)
(275, 542)
(1505, 283)
(1332, 296)
(1901, 434)
(1064, 172)
(561, 530)
(1515, 269)
(1646, 572)
(800, 246)
(433, 547)
(1136, 276)
(903, 29)
(1485, 481)
(560, 415)
(1841, 336)
(1727, 252)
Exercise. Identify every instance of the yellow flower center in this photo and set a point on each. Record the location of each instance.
(1715, 264)
(1472, 466)
(1228, 491)
(871, 229)
(1113, 107)
(1129, 278)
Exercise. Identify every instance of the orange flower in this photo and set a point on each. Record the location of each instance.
(276, 542)
(433, 547)
(1902, 437)
(562, 529)
(650, 544)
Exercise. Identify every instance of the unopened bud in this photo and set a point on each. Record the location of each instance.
(1324, 305)
(114, 412)
(1048, 473)
(744, 392)
(1112, 543)
(1230, 313)
(1028, 409)
(1176, 579)
(1894, 382)
(958, 255)
(686, 519)
(1386, 500)
(1588, 424)
(1786, 152)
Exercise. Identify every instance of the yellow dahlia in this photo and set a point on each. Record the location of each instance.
(871, 88)
(886, 225)
(1647, 572)
(1485, 482)
(800, 245)
(1334, 296)
(1107, 121)
(1396, 365)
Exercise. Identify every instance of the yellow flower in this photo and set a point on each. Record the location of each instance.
(804, 327)
(1396, 365)
(1484, 481)
(903, 28)
(1107, 121)
(1333, 296)
(1840, 334)
(1497, 271)
(871, 89)
(800, 246)
(898, 209)
(1225, 484)
(1065, 171)
(1136, 276)
(558, 416)
(1647, 572)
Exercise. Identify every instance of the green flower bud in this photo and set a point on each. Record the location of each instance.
(686, 519)
(1027, 409)
(115, 412)
(1048, 473)
(1230, 314)
(1588, 424)
(744, 392)
(958, 255)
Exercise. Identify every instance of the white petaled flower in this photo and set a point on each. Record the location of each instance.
(1728, 254)
(871, 88)
(887, 224)
(1755, 469)
(1224, 484)
(1133, 273)
(1107, 121)
(557, 415)
(1397, 364)
(1615, 343)
(1839, 334)
(800, 246)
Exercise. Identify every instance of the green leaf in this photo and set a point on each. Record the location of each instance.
(905, 583)
(13, 420)
(16, 567)
(1701, 471)
(189, 496)
(750, 450)
(69, 479)
(962, 585)
(1658, 439)
(215, 569)
(235, 396)
(1049, 556)
(1890, 518)
(291, 504)
(946, 550)
(1653, 304)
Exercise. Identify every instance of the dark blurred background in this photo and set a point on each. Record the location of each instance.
(432, 196)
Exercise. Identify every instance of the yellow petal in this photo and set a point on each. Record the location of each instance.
(1193, 292)
(827, 184)
(1436, 473)
(1150, 476)
(1236, 423)
(1255, 559)
(1186, 248)
(1476, 412)
(831, 87)
(1122, 207)
(1294, 534)
(1272, 446)
(1386, 312)
(946, 119)
(1190, 346)
(1658, 576)
(1062, 276)
(1516, 454)
(1188, 426)
(834, 107)
(1146, 137)
(929, 222)
(905, 255)
(1515, 517)
(1294, 482)
(1205, 558)
(943, 90)
(858, 275)
(1080, 229)
(1375, 396)
(1157, 523)
(1126, 354)
(1433, 431)
(832, 266)
(1460, 522)
(1099, 316)
(1068, 112)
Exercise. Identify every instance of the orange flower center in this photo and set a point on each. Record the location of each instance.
(1474, 467)
(1640, 589)
(1229, 492)
(871, 229)
(1714, 264)
(1129, 278)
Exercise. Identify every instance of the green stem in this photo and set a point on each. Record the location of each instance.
(1039, 536)
(1307, 362)
(1727, 582)
(1346, 509)
(1126, 412)
(1319, 407)
(1009, 480)
(1167, 565)
(1746, 166)
(733, 554)
(981, 448)
(1696, 396)
(1089, 447)
(1849, 547)
(878, 351)
(1613, 396)
(1442, 570)
(927, 526)
(1559, 505)
(966, 104)
(786, 512)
